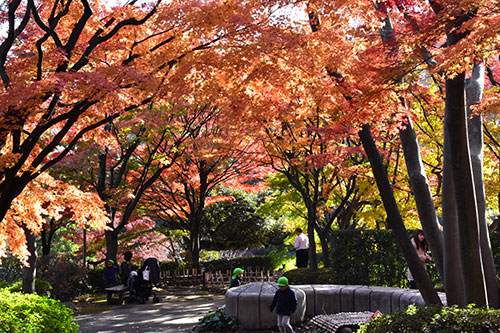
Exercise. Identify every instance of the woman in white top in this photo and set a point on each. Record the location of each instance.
(420, 245)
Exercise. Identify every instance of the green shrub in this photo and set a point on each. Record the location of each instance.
(67, 277)
(269, 261)
(308, 276)
(369, 257)
(436, 319)
(42, 288)
(171, 265)
(217, 321)
(34, 314)
(95, 280)
(10, 269)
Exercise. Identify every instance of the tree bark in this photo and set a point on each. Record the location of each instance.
(29, 272)
(461, 172)
(474, 91)
(395, 221)
(111, 245)
(325, 247)
(422, 194)
(311, 224)
(453, 270)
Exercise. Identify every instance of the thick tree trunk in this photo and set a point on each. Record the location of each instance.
(465, 197)
(422, 193)
(474, 91)
(395, 221)
(111, 245)
(29, 272)
(453, 270)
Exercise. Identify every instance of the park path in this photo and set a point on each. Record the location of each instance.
(178, 311)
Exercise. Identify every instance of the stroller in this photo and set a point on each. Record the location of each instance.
(141, 285)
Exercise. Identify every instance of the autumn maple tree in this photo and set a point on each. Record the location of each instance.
(212, 157)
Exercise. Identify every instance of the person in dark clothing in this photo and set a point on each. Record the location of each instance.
(236, 278)
(285, 301)
(126, 267)
(109, 273)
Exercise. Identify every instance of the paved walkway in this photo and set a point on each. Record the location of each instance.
(178, 311)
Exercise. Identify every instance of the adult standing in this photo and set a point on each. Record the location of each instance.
(301, 246)
(126, 267)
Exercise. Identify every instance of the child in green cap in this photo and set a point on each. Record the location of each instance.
(286, 300)
(109, 273)
(236, 278)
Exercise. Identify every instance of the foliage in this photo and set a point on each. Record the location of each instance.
(269, 261)
(171, 265)
(367, 257)
(322, 275)
(217, 321)
(33, 313)
(42, 287)
(67, 277)
(233, 224)
(436, 319)
(10, 269)
(95, 280)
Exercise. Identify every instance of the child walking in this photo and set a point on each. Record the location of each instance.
(286, 302)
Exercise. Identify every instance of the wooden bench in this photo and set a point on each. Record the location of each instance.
(119, 290)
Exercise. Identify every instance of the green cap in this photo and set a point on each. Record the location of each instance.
(237, 271)
(111, 261)
(282, 281)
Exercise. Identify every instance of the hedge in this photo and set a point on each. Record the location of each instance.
(33, 313)
(369, 257)
(269, 261)
(436, 319)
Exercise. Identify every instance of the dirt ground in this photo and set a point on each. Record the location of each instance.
(178, 311)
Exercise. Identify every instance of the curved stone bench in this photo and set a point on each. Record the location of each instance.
(250, 303)
(328, 299)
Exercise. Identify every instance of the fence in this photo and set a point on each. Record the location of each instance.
(215, 279)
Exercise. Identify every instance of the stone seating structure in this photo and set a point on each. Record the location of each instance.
(250, 303)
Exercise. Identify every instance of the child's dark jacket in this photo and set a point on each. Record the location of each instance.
(235, 282)
(286, 301)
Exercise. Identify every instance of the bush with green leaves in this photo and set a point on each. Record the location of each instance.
(33, 313)
(269, 261)
(217, 321)
(308, 276)
(67, 277)
(369, 257)
(171, 265)
(10, 269)
(437, 319)
(42, 288)
(95, 280)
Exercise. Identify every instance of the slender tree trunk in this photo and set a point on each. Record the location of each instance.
(311, 223)
(45, 243)
(422, 193)
(194, 246)
(474, 90)
(29, 272)
(325, 247)
(465, 196)
(395, 221)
